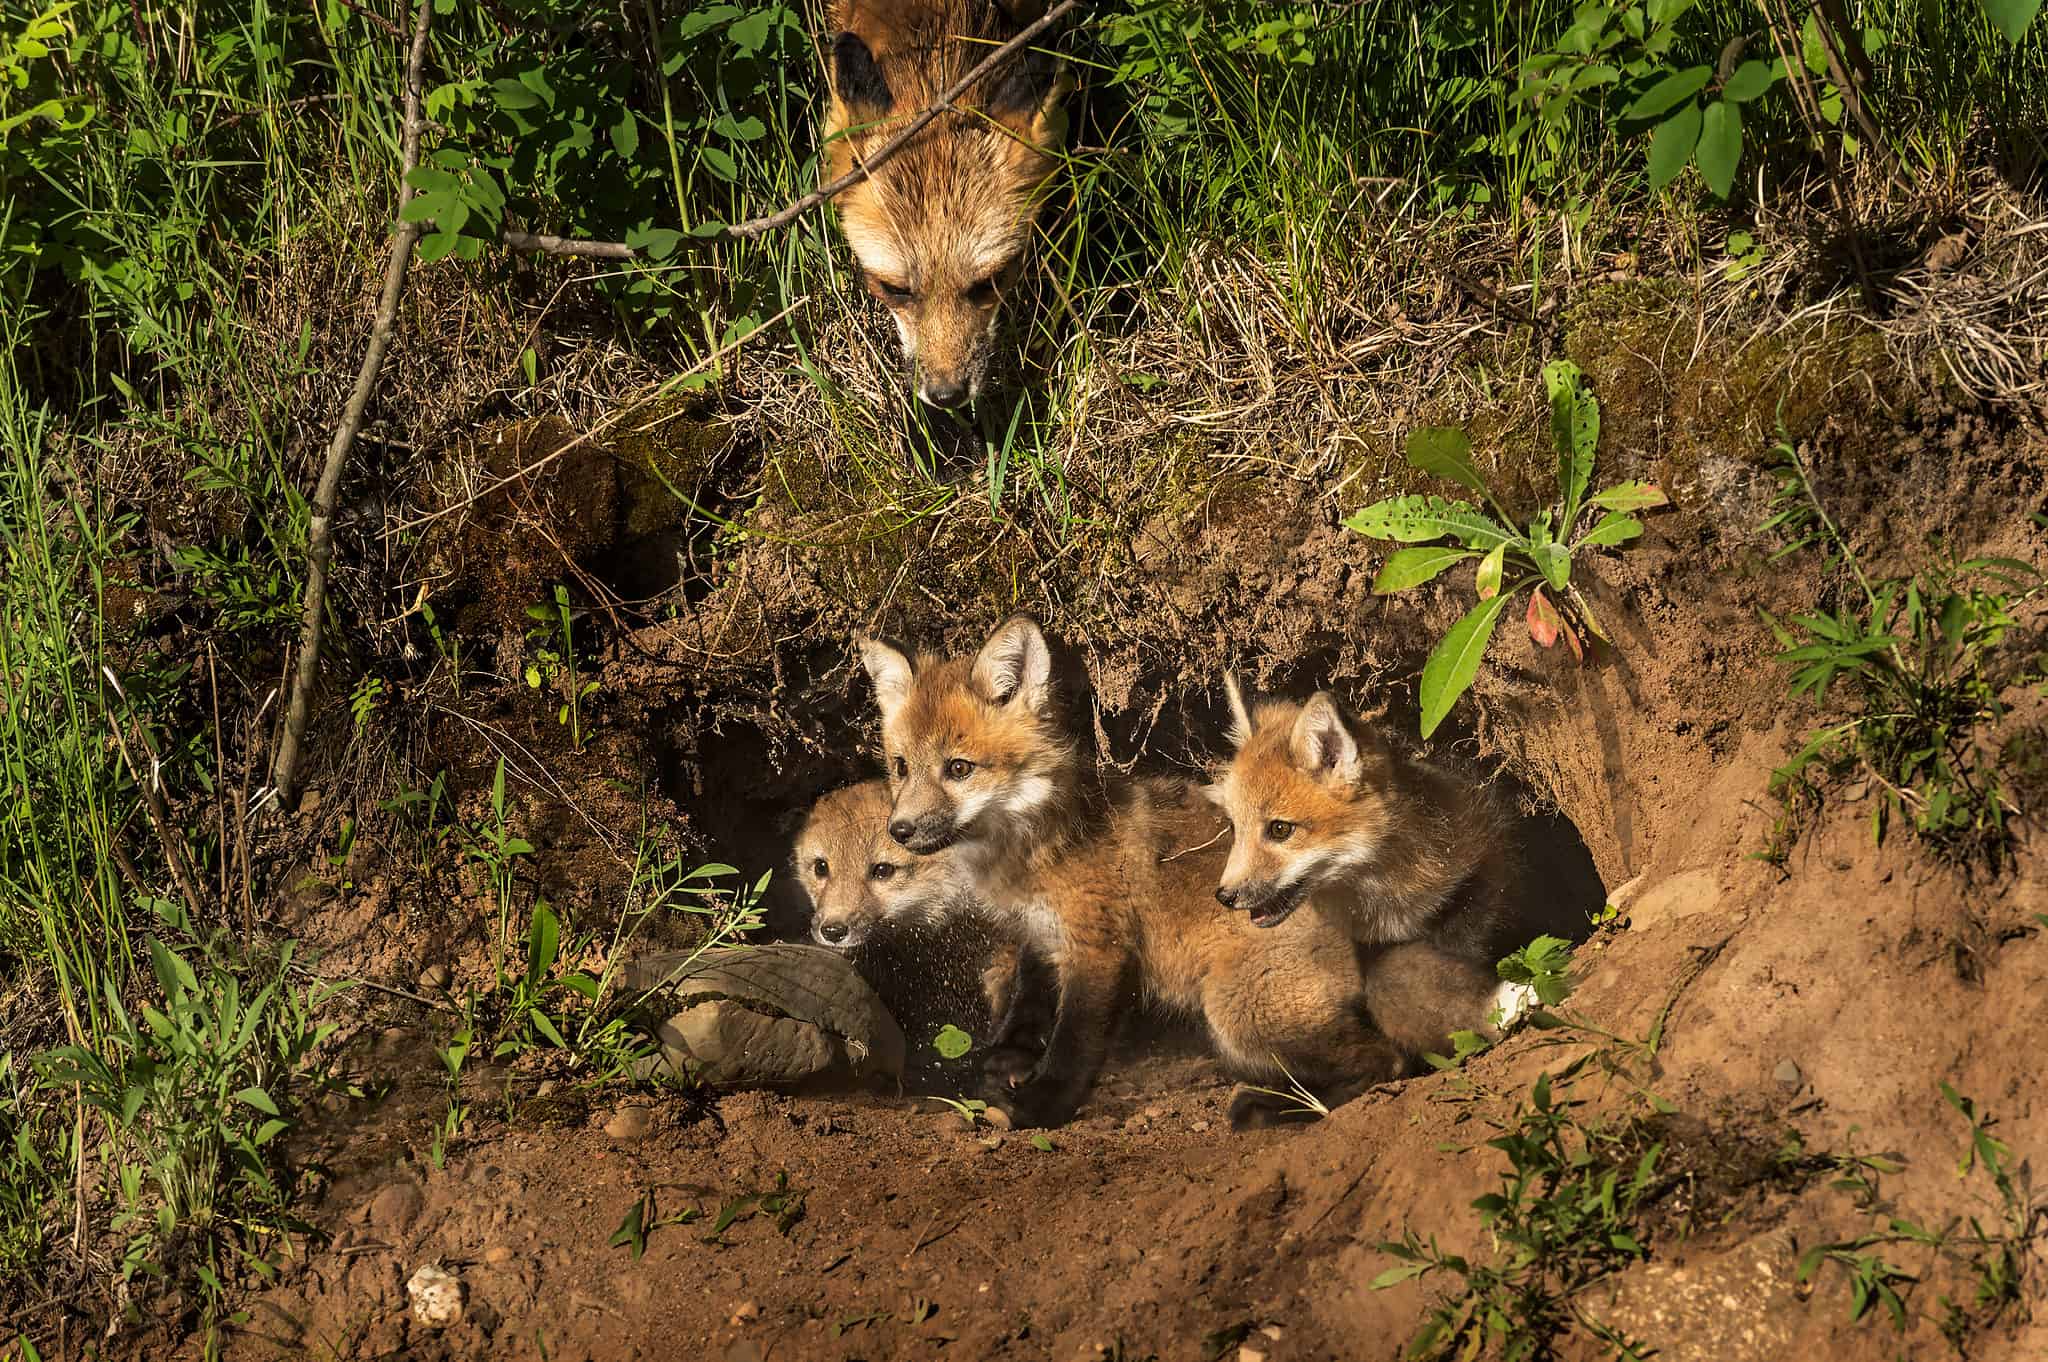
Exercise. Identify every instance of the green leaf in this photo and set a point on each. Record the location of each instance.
(1040, 1142)
(625, 135)
(1750, 80)
(510, 94)
(1672, 144)
(1614, 528)
(952, 1042)
(1555, 562)
(1668, 92)
(1454, 662)
(433, 247)
(1720, 146)
(2011, 17)
(1395, 1275)
(1629, 496)
(1412, 567)
(1487, 581)
(1417, 519)
(1447, 452)
(258, 1099)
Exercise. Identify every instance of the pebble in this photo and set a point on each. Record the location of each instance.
(434, 978)
(436, 1297)
(1247, 1353)
(745, 1311)
(997, 1117)
(1788, 1075)
(1154, 1114)
(395, 1207)
(1199, 1126)
(629, 1123)
(547, 1088)
(1137, 1123)
(497, 1255)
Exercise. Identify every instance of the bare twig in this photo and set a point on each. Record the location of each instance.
(542, 244)
(888, 149)
(320, 530)
(153, 800)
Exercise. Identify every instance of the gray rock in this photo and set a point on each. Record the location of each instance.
(1788, 1076)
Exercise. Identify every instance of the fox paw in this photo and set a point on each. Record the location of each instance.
(1030, 1102)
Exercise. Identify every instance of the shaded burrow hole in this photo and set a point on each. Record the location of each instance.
(746, 777)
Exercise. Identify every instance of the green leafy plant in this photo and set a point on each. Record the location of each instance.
(951, 1042)
(1543, 966)
(1565, 1215)
(1924, 660)
(554, 664)
(197, 1089)
(1538, 558)
(782, 1202)
(642, 1219)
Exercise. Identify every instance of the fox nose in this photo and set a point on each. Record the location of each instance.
(832, 932)
(949, 393)
(901, 830)
(1226, 897)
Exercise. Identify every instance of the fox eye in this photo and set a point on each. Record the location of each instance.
(983, 292)
(959, 768)
(892, 292)
(1279, 830)
(902, 768)
(881, 870)
(821, 868)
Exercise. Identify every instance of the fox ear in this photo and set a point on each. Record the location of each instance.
(857, 80)
(1014, 666)
(1240, 713)
(890, 671)
(1323, 742)
(1215, 794)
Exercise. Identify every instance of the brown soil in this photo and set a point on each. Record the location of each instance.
(1802, 1012)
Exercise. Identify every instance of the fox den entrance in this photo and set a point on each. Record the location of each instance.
(1272, 890)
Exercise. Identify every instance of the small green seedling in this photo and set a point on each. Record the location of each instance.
(642, 1219)
(1543, 966)
(1538, 558)
(972, 1110)
(951, 1042)
(1043, 1143)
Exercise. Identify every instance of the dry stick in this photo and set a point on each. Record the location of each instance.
(320, 530)
(153, 800)
(1832, 24)
(753, 227)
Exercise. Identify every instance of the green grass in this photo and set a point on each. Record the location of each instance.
(196, 199)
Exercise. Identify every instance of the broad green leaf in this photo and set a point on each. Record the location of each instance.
(258, 1099)
(1555, 562)
(1041, 1143)
(1616, 527)
(433, 247)
(546, 1026)
(1720, 145)
(1671, 145)
(1412, 567)
(1668, 92)
(952, 1042)
(1487, 582)
(1417, 519)
(1629, 496)
(1452, 664)
(1575, 431)
(2011, 17)
(625, 135)
(1750, 80)
(1447, 452)
(510, 94)
(543, 940)
(432, 180)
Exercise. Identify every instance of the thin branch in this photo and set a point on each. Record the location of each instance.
(541, 244)
(320, 530)
(888, 149)
(153, 800)
(615, 250)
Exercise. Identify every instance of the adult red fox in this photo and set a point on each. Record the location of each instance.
(941, 230)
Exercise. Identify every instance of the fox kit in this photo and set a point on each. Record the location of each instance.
(1393, 849)
(940, 231)
(1112, 889)
(863, 886)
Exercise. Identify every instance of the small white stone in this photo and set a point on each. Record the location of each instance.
(436, 1297)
